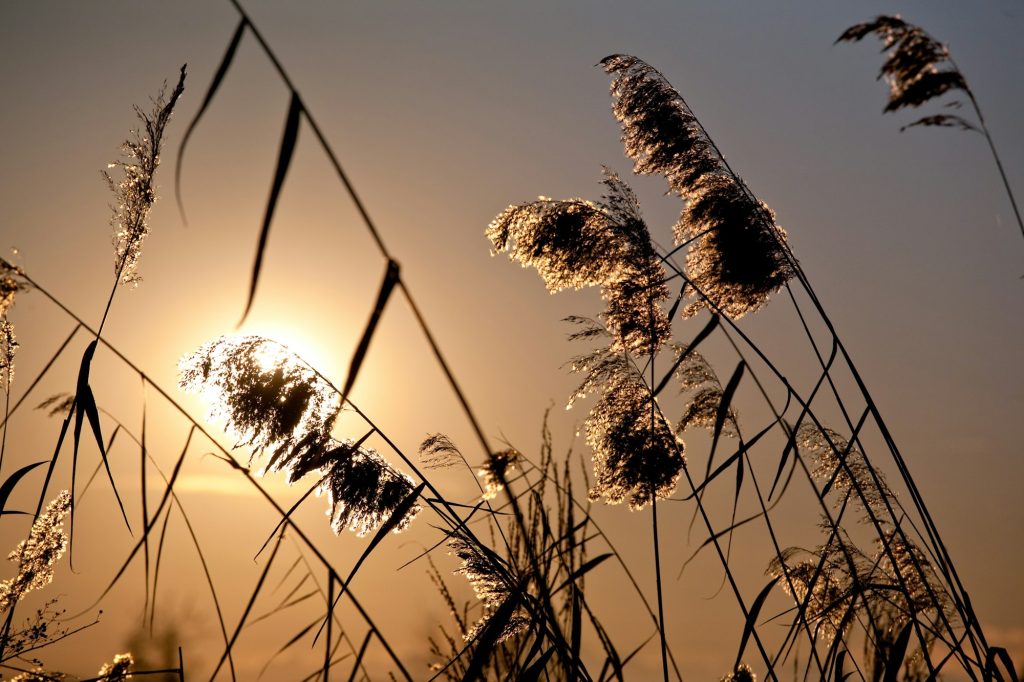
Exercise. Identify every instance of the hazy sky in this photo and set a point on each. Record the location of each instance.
(443, 113)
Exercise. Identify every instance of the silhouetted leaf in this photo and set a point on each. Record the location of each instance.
(148, 527)
(535, 670)
(582, 570)
(704, 333)
(299, 635)
(840, 659)
(392, 523)
(897, 654)
(723, 410)
(386, 287)
(790, 444)
(8, 486)
(222, 70)
(359, 656)
(998, 653)
(751, 622)
(248, 606)
(942, 121)
(284, 159)
(85, 405)
(493, 629)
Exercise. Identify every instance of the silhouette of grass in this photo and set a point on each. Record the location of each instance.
(881, 576)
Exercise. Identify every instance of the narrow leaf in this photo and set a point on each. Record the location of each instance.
(284, 159)
(790, 444)
(897, 654)
(396, 517)
(723, 410)
(222, 70)
(748, 627)
(248, 607)
(534, 671)
(704, 333)
(583, 570)
(390, 279)
(87, 402)
(840, 659)
(8, 487)
(999, 653)
(290, 642)
(359, 657)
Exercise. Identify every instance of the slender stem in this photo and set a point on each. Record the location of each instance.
(995, 154)
(657, 577)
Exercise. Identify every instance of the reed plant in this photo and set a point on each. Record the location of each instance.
(876, 597)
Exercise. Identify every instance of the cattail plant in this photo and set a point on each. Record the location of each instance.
(920, 69)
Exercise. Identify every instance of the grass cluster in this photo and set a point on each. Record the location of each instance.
(876, 596)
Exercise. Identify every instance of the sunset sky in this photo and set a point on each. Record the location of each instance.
(442, 114)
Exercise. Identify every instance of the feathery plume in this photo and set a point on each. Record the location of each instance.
(118, 670)
(577, 243)
(362, 488)
(697, 377)
(8, 349)
(918, 68)
(10, 285)
(836, 458)
(496, 470)
(737, 256)
(492, 585)
(439, 452)
(273, 402)
(135, 193)
(37, 555)
(825, 580)
(636, 455)
(57, 404)
(743, 673)
(270, 400)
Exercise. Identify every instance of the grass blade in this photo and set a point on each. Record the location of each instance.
(534, 671)
(8, 487)
(704, 333)
(301, 633)
(359, 656)
(284, 159)
(222, 70)
(751, 623)
(790, 444)
(897, 654)
(386, 287)
(396, 517)
(248, 607)
(723, 407)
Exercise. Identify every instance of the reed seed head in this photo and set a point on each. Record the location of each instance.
(275, 403)
(135, 192)
(917, 68)
(737, 256)
(118, 670)
(636, 454)
(577, 243)
(8, 349)
(37, 555)
(496, 471)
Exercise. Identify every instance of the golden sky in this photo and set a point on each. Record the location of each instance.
(442, 114)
